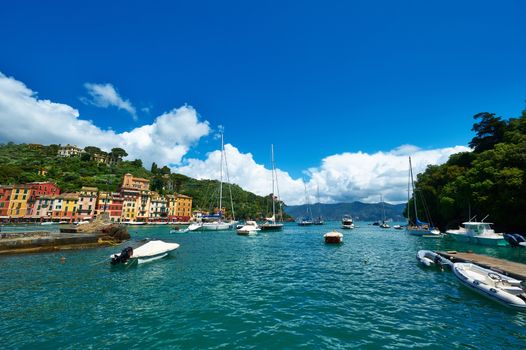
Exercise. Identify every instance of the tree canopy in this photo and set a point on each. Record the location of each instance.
(491, 180)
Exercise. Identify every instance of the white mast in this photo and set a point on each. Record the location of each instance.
(273, 174)
(221, 179)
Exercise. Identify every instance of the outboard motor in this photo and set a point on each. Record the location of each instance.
(519, 238)
(511, 239)
(123, 257)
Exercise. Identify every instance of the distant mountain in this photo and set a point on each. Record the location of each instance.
(359, 211)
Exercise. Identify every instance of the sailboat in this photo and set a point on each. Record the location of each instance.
(417, 227)
(319, 219)
(215, 222)
(383, 224)
(306, 220)
(271, 224)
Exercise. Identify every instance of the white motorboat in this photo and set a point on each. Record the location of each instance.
(134, 223)
(493, 285)
(430, 258)
(333, 237)
(250, 228)
(398, 227)
(347, 222)
(478, 233)
(153, 250)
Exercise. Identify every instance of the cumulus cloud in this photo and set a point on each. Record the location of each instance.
(26, 118)
(342, 177)
(105, 95)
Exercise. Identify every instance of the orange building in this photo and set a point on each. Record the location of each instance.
(135, 183)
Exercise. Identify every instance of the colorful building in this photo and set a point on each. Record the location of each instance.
(158, 208)
(18, 204)
(42, 208)
(65, 207)
(110, 204)
(135, 183)
(5, 197)
(183, 207)
(87, 203)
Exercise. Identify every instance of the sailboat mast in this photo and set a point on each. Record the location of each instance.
(221, 179)
(273, 174)
(413, 188)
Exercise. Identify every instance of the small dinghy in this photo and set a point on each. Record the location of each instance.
(493, 285)
(333, 237)
(150, 251)
(430, 258)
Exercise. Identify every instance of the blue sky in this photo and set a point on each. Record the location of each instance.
(317, 79)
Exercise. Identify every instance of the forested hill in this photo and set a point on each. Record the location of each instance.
(23, 163)
(358, 210)
(491, 180)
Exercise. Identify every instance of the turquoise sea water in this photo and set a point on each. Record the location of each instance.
(276, 290)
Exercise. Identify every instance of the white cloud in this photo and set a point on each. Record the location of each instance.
(26, 118)
(105, 95)
(342, 177)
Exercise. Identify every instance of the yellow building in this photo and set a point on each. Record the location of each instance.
(183, 207)
(18, 203)
(65, 207)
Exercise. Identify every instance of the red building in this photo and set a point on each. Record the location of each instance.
(5, 196)
(44, 189)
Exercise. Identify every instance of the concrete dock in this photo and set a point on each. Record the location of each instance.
(43, 241)
(509, 268)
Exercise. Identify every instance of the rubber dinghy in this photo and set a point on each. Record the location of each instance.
(430, 258)
(150, 251)
(493, 285)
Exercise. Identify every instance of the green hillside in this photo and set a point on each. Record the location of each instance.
(491, 180)
(22, 163)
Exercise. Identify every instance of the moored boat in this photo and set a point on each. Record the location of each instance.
(333, 237)
(430, 258)
(153, 250)
(347, 222)
(271, 224)
(493, 285)
(479, 233)
(250, 228)
(417, 227)
(398, 227)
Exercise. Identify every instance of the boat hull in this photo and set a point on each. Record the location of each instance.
(422, 232)
(215, 227)
(488, 290)
(485, 241)
(271, 227)
(333, 237)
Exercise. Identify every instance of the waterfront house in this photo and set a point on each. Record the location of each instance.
(87, 203)
(110, 204)
(5, 197)
(18, 204)
(183, 207)
(42, 208)
(158, 208)
(65, 207)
